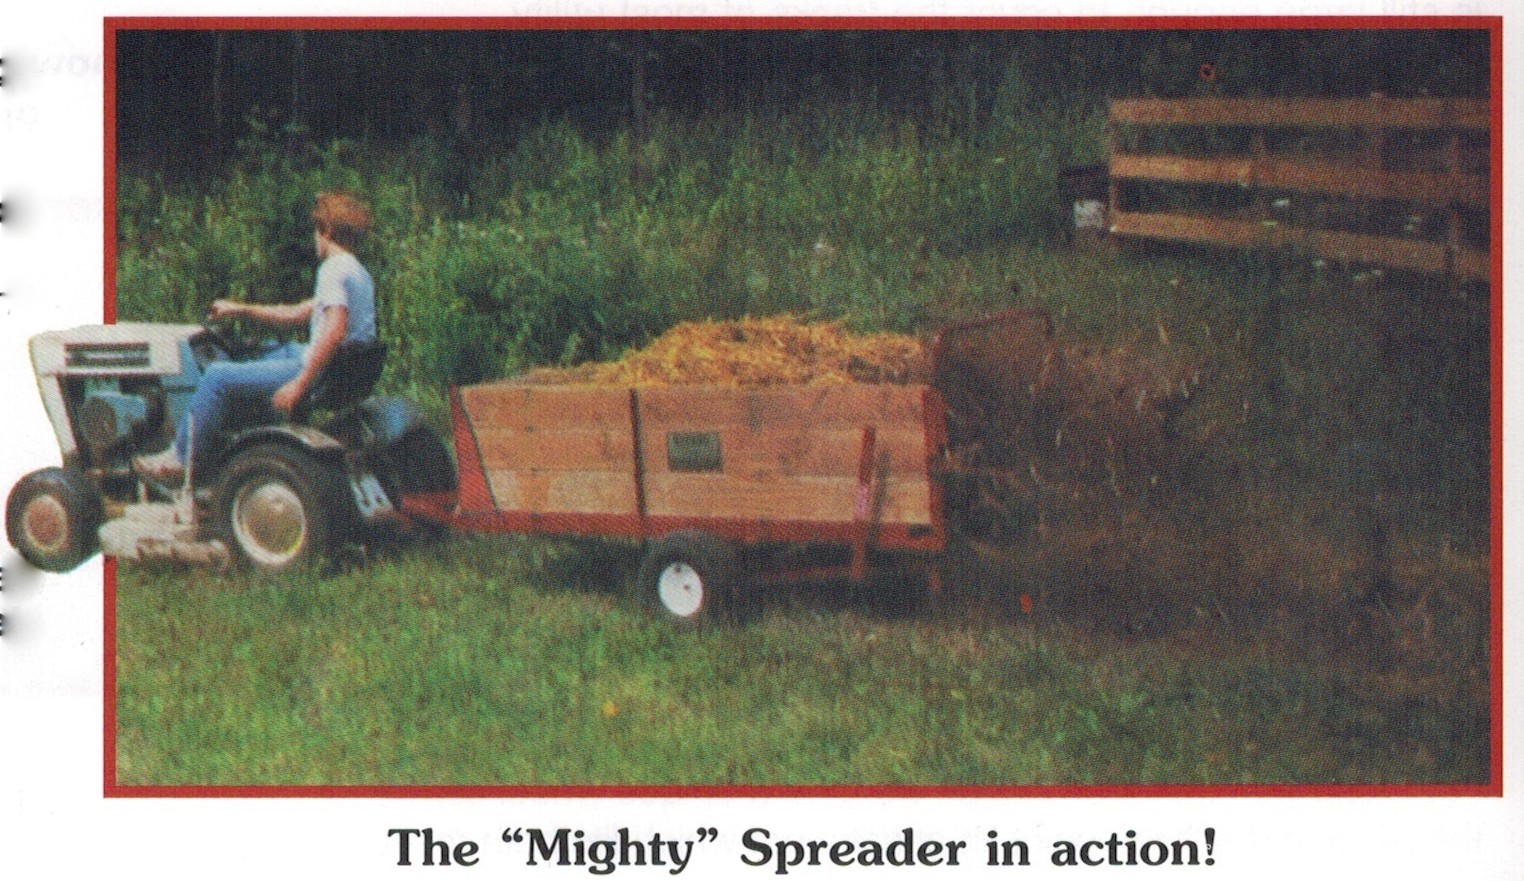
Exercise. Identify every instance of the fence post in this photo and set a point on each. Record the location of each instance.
(1453, 241)
(1256, 168)
(1112, 144)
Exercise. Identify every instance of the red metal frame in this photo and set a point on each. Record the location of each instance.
(863, 509)
(640, 462)
(934, 414)
(475, 492)
(446, 508)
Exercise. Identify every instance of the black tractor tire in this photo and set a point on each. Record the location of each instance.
(690, 577)
(53, 517)
(281, 509)
(418, 462)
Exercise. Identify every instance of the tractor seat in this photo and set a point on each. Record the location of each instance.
(346, 381)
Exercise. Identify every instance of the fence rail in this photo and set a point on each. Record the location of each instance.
(1441, 176)
(1387, 113)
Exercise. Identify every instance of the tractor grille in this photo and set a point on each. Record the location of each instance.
(106, 355)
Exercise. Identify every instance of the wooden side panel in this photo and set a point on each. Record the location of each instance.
(794, 451)
(848, 406)
(564, 492)
(555, 449)
(783, 454)
(501, 405)
(788, 453)
(821, 499)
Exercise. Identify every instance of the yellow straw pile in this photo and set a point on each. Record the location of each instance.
(776, 350)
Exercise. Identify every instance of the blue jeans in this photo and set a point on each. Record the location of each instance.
(224, 382)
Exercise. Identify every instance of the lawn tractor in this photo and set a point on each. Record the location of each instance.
(272, 492)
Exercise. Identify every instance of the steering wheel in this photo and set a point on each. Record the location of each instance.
(224, 335)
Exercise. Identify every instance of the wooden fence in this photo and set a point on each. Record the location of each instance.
(1399, 183)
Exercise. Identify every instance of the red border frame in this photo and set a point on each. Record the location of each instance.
(1492, 24)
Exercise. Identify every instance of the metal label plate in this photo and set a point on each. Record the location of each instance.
(694, 451)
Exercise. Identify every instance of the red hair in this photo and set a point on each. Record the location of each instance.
(341, 217)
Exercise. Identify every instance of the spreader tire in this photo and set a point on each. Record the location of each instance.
(689, 577)
(53, 517)
(282, 509)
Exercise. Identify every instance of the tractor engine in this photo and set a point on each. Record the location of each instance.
(111, 418)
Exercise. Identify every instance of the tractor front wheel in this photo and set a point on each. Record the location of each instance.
(53, 517)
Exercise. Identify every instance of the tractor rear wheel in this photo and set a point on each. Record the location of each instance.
(53, 517)
(282, 509)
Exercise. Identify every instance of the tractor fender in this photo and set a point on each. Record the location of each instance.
(303, 436)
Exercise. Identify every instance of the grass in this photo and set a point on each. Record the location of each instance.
(513, 661)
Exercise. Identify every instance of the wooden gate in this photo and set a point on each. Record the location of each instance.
(1398, 183)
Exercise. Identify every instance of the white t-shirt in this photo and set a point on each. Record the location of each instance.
(342, 281)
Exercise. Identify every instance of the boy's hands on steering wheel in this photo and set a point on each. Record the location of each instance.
(225, 333)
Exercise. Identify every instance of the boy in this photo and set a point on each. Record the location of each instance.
(342, 309)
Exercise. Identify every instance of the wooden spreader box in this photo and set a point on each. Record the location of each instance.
(846, 464)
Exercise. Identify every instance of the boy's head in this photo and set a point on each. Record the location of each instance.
(342, 218)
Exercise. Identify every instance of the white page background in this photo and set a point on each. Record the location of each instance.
(54, 822)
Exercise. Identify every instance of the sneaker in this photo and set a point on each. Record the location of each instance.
(159, 467)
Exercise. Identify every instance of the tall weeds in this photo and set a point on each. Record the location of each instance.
(561, 247)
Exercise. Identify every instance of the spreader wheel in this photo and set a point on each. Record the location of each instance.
(689, 577)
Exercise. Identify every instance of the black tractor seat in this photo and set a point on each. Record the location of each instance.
(346, 381)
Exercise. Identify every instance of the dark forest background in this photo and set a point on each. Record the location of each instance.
(184, 95)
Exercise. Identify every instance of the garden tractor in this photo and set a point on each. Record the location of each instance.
(268, 491)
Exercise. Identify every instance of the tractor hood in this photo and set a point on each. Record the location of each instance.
(111, 350)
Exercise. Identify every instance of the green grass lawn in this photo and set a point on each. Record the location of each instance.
(511, 661)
